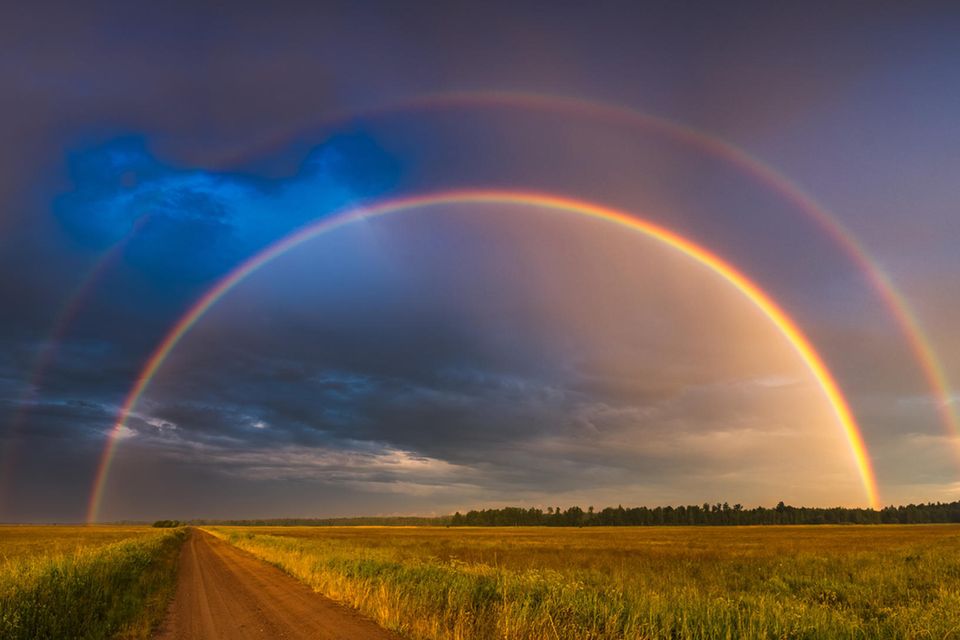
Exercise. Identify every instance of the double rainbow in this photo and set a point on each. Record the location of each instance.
(703, 141)
(711, 261)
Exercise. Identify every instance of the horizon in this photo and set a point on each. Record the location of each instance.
(546, 510)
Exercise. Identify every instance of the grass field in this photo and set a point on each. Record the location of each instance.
(686, 582)
(84, 582)
(18, 542)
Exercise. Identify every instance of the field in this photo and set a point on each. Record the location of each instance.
(84, 582)
(18, 542)
(617, 582)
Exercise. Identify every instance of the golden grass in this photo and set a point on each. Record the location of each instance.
(85, 582)
(684, 582)
(18, 542)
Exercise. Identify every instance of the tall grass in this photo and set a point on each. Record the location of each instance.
(114, 590)
(772, 582)
(22, 541)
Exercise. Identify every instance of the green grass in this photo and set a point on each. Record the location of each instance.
(690, 582)
(85, 585)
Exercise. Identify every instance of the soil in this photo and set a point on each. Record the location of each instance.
(226, 593)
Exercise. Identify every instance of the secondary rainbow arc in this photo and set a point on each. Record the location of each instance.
(893, 299)
(711, 261)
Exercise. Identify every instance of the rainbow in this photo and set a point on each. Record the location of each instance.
(906, 320)
(711, 261)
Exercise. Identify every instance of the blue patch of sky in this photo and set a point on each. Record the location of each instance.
(195, 224)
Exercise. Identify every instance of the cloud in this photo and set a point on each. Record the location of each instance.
(194, 224)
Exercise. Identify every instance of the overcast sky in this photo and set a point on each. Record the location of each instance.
(471, 355)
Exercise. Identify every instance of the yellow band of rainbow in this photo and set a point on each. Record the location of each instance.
(751, 291)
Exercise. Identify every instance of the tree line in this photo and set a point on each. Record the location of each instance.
(706, 514)
(168, 524)
(683, 515)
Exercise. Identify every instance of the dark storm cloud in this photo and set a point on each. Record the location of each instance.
(405, 392)
(68, 419)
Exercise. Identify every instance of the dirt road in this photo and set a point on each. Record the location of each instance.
(225, 593)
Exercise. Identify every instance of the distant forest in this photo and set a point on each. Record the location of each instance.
(707, 514)
(690, 515)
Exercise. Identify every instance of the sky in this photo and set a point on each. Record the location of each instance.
(485, 352)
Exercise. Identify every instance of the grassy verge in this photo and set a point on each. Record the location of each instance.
(119, 590)
(568, 585)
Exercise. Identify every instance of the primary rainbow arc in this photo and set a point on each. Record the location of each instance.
(751, 291)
